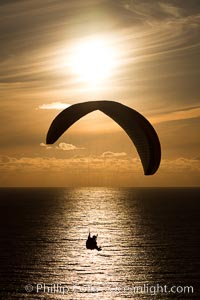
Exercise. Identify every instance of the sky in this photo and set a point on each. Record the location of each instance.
(55, 53)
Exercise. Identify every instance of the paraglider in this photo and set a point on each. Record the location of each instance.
(137, 127)
(91, 242)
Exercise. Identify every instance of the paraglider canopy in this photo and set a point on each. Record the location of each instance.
(138, 128)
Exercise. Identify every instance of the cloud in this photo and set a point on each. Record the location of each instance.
(67, 147)
(189, 113)
(45, 145)
(152, 10)
(54, 105)
(109, 154)
(181, 165)
(171, 10)
(4, 159)
(94, 163)
(92, 170)
(76, 163)
(62, 146)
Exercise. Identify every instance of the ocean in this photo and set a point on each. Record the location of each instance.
(150, 239)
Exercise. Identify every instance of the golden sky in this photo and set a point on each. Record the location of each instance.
(54, 53)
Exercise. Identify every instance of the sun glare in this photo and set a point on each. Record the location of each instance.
(92, 61)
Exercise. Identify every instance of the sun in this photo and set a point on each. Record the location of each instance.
(92, 61)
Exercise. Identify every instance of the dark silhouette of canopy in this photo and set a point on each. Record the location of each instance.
(134, 124)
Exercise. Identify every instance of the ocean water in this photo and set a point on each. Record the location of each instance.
(150, 239)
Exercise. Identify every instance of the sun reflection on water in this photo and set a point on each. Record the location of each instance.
(140, 237)
(102, 211)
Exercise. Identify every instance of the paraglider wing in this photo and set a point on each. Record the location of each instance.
(140, 131)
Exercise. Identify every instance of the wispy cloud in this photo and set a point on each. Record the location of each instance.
(171, 10)
(180, 165)
(177, 115)
(54, 105)
(109, 154)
